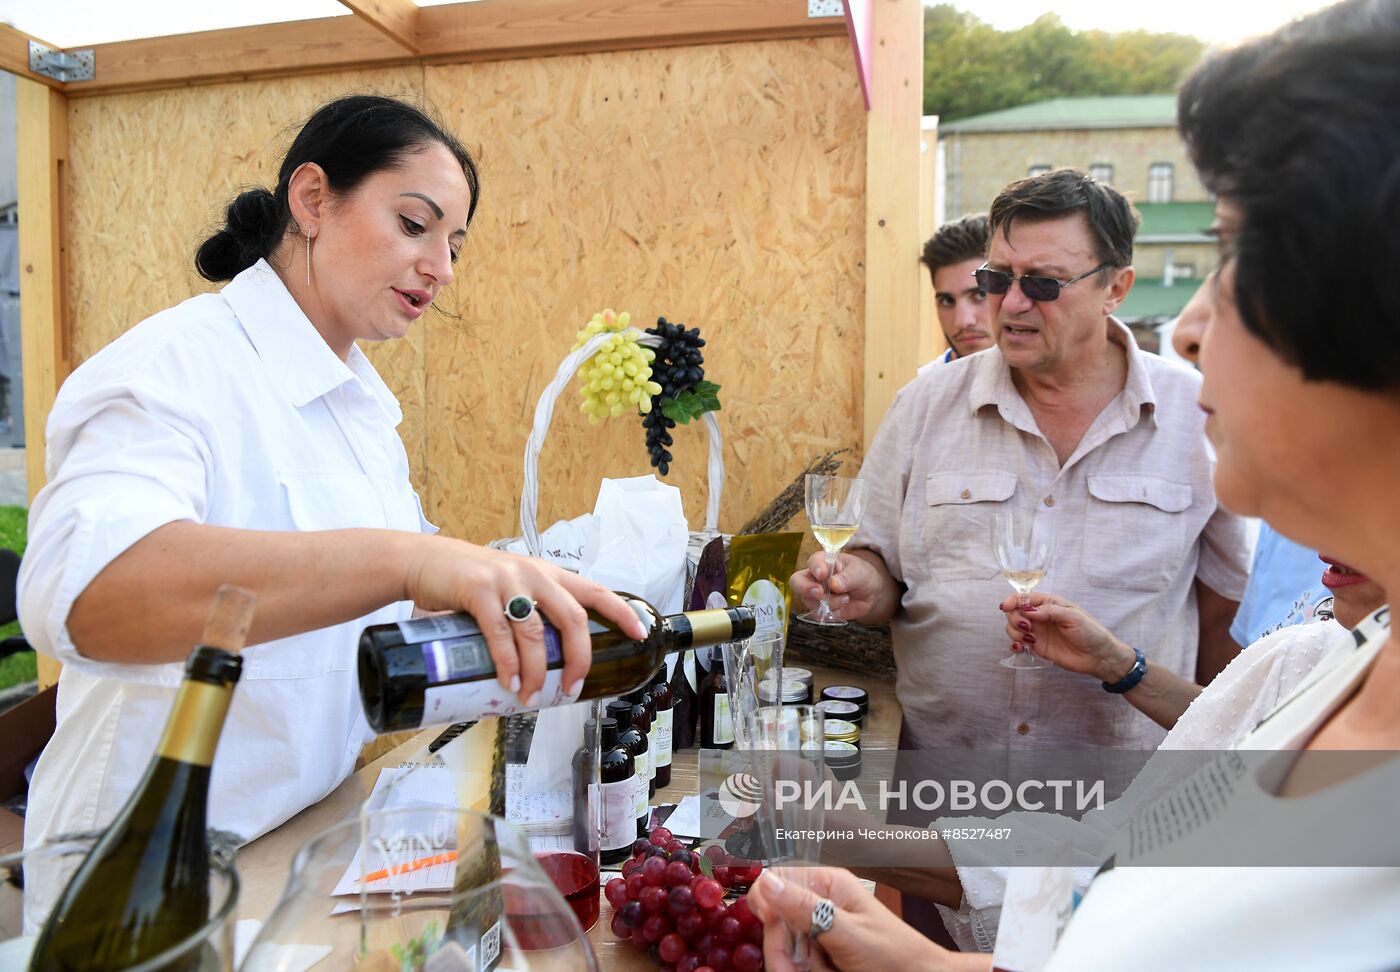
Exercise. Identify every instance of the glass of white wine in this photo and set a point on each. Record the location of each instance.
(834, 508)
(1023, 539)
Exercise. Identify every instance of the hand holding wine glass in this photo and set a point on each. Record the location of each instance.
(834, 508)
(1023, 540)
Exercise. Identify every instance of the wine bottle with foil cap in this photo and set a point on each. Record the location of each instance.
(435, 670)
(143, 889)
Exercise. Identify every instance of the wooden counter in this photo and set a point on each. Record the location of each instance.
(264, 864)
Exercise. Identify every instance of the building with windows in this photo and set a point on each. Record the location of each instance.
(1127, 141)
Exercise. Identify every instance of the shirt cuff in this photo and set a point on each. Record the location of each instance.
(99, 535)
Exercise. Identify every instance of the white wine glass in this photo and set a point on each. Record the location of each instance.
(834, 508)
(1023, 540)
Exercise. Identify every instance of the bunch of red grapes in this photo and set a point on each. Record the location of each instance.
(666, 906)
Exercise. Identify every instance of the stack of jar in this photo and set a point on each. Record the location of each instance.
(843, 708)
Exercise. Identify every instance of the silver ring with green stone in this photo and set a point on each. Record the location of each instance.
(519, 608)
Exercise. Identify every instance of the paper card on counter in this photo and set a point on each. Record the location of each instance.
(696, 816)
(548, 813)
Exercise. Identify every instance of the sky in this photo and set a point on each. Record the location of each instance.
(71, 23)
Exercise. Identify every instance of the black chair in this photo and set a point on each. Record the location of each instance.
(9, 574)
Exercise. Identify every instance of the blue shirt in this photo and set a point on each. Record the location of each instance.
(1285, 587)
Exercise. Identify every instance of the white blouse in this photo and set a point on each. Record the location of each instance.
(229, 410)
(1259, 917)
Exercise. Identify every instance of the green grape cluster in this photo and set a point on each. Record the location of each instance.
(619, 375)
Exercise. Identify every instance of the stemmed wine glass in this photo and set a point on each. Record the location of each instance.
(834, 508)
(1023, 539)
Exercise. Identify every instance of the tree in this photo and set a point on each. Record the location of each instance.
(971, 67)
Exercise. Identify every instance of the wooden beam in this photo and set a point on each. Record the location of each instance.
(932, 341)
(395, 19)
(41, 115)
(892, 269)
(14, 55)
(487, 30)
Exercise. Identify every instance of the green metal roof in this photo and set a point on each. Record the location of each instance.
(1149, 298)
(1107, 111)
(1188, 220)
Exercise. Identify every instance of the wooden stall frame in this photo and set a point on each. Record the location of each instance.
(893, 335)
(42, 122)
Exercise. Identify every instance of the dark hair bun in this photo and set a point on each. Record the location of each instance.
(249, 234)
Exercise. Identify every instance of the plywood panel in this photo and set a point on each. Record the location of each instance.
(150, 175)
(719, 185)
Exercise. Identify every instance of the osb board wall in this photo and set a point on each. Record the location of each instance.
(149, 176)
(719, 185)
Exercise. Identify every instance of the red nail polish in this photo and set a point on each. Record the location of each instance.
(1029, 639)
(1028, 609)
(1024, 625)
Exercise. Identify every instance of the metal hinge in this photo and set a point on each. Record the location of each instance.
(826, 8)
(62, 65)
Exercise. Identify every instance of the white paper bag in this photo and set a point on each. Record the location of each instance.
(636, 542)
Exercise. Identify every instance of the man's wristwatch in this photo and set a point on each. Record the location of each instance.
(1131, 679)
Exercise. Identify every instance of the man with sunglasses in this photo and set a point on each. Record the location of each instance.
(1066, 414)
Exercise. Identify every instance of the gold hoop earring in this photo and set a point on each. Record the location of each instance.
(308, 258)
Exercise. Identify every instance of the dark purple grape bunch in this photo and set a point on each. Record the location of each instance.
(678, 369)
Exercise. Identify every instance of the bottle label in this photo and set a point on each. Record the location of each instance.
(640, 807)
(724, 724)
(472, 692)
(654, 758)
(769, 604)
(663, 738)
(644, 770)
(619, 815)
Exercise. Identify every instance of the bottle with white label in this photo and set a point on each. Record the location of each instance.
(644, 718)
(661, 754)
(635, 742)
(617, 774)
(437, 670)
(716, 723)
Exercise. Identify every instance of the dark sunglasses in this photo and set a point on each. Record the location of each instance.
(1041, 289)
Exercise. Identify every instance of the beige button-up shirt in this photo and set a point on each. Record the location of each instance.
(1136, 523)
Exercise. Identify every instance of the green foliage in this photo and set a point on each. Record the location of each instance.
(971, 67)
(17, 669)
(703, 398)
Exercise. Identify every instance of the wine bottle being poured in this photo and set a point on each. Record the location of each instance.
(435, 670)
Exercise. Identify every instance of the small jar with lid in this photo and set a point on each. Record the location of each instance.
(803, 676)
(841, 709)
(793, 692)
(848, 693)
(843, 759)
(839, 730)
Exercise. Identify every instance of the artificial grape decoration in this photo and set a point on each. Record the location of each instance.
(676, 913)
(619, 376)
(678, 369)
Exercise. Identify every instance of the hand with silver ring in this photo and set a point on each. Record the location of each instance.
(850, 931)
(520, 608)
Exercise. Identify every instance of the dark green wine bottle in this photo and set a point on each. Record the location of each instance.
(436, 670)
(143, 889)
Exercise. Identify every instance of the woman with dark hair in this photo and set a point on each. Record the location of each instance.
(1298, 135)
(242, 437)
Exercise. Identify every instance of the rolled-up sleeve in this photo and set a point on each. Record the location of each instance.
(123, 460)
(1225, 554)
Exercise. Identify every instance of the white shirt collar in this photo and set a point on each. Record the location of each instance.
(299, 360)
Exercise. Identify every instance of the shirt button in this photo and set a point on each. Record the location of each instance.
(966, 494)
(1023, 728)
(1049, 501)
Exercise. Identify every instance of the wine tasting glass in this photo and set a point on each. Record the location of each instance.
(747, 665)
(786, 750)
(834, 508)
(1023, 540)
(390, 888)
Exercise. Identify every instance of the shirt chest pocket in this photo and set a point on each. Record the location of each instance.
(957, 537)
(332, 500)
(1135, 531)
